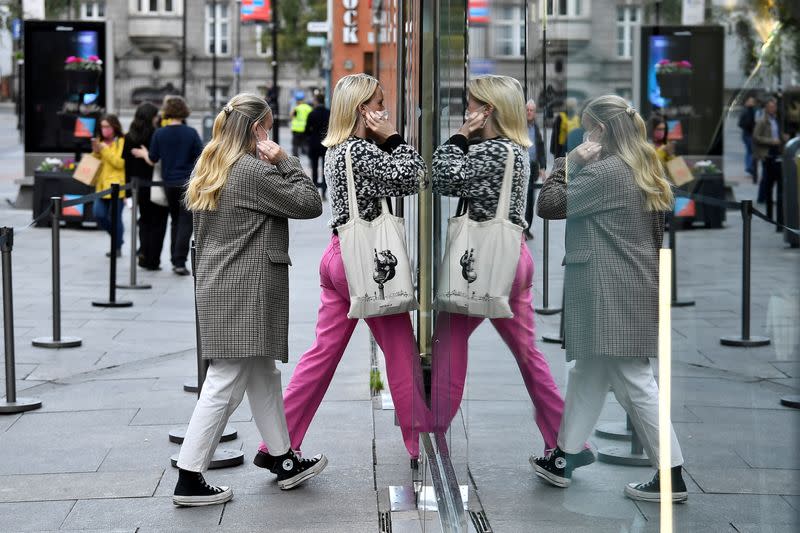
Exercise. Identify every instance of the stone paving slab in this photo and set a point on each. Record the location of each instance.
(78, 486)
(120, 512)
(34, 516)
(767, 510)
(45, 458)
(747, 481)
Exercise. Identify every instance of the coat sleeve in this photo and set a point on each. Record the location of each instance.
(762, 134)
(540, 153)
(552, 201)
(154, 152)
(395, 169)
(283, 190)
(590, 190)
(466, 172)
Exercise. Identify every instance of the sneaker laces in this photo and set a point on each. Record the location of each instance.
(204, 483)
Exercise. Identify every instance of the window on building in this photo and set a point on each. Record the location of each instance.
(156, 6)
(509, 31)
(218, 28)
(263, 44)
(628, 18)
(567, 8)
(93, 10)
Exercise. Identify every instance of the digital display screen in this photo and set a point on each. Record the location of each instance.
(62, 107)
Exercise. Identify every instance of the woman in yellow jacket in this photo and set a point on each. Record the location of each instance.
(108, 149)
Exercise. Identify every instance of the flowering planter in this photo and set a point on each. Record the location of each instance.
(674, 86)
(61, 183)
(82, 81)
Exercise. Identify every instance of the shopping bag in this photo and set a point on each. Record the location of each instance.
(86, 171)
(157, 194)
(679, 171)
(375, 259)
(480, 260)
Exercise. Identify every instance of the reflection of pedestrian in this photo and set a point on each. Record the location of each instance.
(108, 149)
(316, 130)
(538, 160)
(768, 140)
(614, 203)
(565, 122)
(152, 217)
(299, 116)
(177, 146)
(242, 192)
(658, 135)
(747, 123)
(471, 165)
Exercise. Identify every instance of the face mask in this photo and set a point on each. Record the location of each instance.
(587, 135)
(658, 135)
(469, 113)
(265, 132)
(107, 133)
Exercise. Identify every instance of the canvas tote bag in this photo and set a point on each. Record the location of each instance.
(375, 259)
(480, 260)
(157, 193)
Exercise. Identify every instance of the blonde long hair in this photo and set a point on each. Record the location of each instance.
(232, 137)
(351, 91)
(625, 135)
(506, 96)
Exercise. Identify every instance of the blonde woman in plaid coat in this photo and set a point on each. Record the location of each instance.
(243, 190)
(612, 192)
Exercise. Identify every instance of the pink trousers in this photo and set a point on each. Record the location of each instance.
(314, 372)
(449, 370)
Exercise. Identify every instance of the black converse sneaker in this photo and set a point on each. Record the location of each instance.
(267, 461)
(651, 490)
(293, 470)
(556, 467)
(193, 491)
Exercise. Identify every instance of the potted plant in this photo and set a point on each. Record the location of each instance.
(709, 182)
(673, 78)
(83, 74)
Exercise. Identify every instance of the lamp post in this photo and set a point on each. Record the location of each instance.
(237, 62)
(274, 16)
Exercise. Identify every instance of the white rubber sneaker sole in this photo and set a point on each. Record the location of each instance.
(201, 501)
(558, 481)
(653, 497)
(292, 482)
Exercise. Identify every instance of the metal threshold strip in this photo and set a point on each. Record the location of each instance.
(445, 485)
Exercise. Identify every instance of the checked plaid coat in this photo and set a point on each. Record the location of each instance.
(242, 271)
(611, 261)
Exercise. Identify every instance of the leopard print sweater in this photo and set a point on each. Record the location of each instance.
(474, 170)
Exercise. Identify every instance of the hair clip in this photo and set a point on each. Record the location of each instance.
(228, 109)
(630, 111)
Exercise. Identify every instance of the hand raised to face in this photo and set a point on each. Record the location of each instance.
(271, 151)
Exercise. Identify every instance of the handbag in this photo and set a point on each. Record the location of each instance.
(679, 171)
(375, 259)
(480, 260)
(157, 194)
(86, 171)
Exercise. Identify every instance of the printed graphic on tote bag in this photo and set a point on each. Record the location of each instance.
(385, 263)
(467, 266)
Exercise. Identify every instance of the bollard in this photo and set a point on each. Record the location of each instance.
(620, 455)
(112, 282)
(560, 338)
(615, 430)
(745, 340)
(222, 458)
(56, 341)
(134, 207)
(546, 310)
(12, 403)
(673, 245)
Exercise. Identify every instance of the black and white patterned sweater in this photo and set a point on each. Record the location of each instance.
(392, 169)
(474, 170)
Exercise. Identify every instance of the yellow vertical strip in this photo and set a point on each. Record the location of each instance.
(665, 386)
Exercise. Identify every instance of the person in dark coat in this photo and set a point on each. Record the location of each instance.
(316, 130)
(538, 160)
(747, 123)
(152, 217)
(242, 193)
(612, 191)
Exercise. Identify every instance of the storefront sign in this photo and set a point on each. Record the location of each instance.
(350, 29)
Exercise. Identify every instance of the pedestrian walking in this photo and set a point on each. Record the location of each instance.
(299, 116)
(243, 191)
(152, 217)
(108, 149)
(383, 165)
(747, 123)
(316, 130)
(471, 165)
(538, 163)
(566, 121)
(177, 146)
(613, 194)
(768, 140)
(658, 135)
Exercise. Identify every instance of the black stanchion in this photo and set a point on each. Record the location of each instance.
(615, 430)
(222, 458)
(12, 403)
(56, 341)
(745, 339)
(134, 208)
(546, 309)
(560, 338)
(673, 245)
(112, 282)
(622, 455)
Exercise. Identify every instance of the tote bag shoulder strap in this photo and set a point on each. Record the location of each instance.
(504, 201)
(352, 199)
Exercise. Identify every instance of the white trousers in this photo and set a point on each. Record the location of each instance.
(223, 390)
(633, 383)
